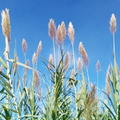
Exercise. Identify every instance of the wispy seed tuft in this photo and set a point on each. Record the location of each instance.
(50, 61)
(67, 61)
(98, 66)
(24, 45)
(113, 24)
(63, 29)
(59, 35)
(6, 23)
(83, 53)
(34, 58)
(51, 29)
(108, 81)
(39, 48)
(71, 32)
(36, 79)
(79, 64)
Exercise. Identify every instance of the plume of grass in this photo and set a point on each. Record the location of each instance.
(84, 56)
(59, 35)
(50, 61)
(36, 80)
(98, 68)
(67, 61)
(52, 34)
(34, 59)
(39, 48)
(71, 33)
(83, 53)
(89, 104)
(63, 29)
(6, 31)
(108, 81)
(24, 47)
(79, 64)
(38, 51)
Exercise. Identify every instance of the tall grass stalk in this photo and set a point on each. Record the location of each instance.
(54, 54)
(73, 55)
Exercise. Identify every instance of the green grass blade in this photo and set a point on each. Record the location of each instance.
(5, 83)
(3, 63)
(5, 76)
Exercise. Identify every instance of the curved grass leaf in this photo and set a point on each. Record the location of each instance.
(109, 110)
(5, 76)
(3, 63)
(5, 83)
(7, 89)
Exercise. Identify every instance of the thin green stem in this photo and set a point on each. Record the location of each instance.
(114, 56)
(73, 54)
(54, 52)
(88, 78)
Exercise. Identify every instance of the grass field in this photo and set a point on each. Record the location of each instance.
(69, 95)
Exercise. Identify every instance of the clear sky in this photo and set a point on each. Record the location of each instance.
(90, 18)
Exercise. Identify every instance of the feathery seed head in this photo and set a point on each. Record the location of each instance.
(92, 93)
(98, 66)
(50, 61)
(59, 36)
(113, 24)
(63, 29)
(71, 32)
(83, 53)
(39, 92)
(67, 61)
(90, 103)
(51, 29)
(39, 48)
(79, 64)
(24, 45)
(34, 58)
(108, 81)
(36, 79)
(6, 24)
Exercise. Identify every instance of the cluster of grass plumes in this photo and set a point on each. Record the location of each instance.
(70, 94)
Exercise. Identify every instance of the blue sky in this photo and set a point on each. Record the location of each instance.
(90, 18)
